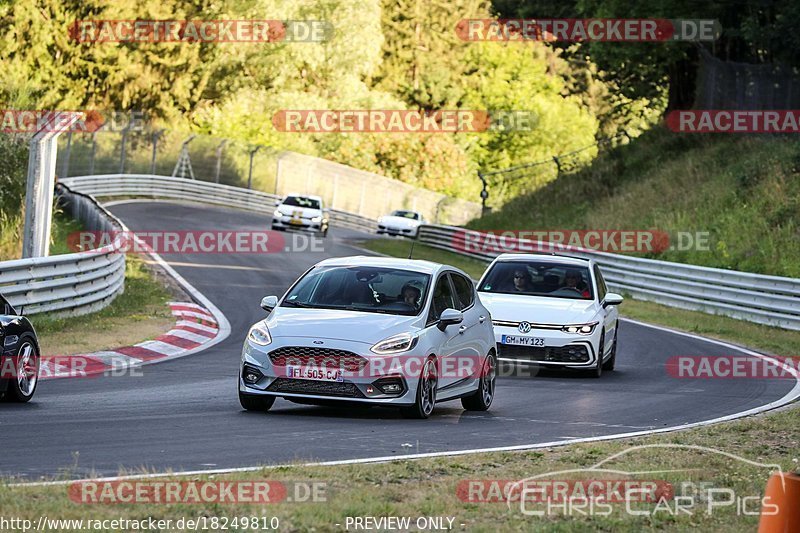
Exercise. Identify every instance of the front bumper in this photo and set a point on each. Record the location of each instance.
(560, 349)
(389, 230)
(302, 224)
(366, 377)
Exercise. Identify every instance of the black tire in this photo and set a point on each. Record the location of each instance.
(482, 398)
(251, 402)
(597, 371)
(608, 366)
(426, 392)
(22, 387)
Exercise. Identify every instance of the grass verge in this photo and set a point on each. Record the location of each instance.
(140, 313)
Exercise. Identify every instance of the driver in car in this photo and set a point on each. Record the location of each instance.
(574, 281)
(411, 295)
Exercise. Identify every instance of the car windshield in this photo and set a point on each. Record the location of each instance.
(406, 214)
(539, 278)
(301, 201)
(369, 289)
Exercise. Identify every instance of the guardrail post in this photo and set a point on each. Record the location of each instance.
(122, 149)
(92, 153)
(65, 165)
(219, 160)
(154, 139)
(250, 173)
(41, 184)
(484, 193)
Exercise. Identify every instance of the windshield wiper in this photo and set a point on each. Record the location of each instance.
(291, 303)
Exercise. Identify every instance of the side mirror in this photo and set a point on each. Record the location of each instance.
(268, 303)
(450, 317)
(612, 299)
(277, 203)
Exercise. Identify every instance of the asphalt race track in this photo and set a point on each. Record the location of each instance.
(185, 415)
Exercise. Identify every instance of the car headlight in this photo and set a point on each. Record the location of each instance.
(395, 344)
(582, 329)
(259, 334)
(316, 220)
(277, 213)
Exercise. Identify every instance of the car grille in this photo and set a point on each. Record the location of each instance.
(318, 388)
(573, 353)
(319, 357)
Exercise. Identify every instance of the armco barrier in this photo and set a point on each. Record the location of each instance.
(70, 284)
(768, 300)
(164, 187)
(78, 283)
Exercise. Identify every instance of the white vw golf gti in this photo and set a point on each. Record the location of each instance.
(382, 331)
(551, 310)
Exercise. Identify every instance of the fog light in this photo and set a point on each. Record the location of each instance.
(391, 385)
(251, 375)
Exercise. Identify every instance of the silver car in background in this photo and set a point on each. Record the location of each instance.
(382, 331)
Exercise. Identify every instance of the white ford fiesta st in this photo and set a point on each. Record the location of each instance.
(551, 310)
(372, 330)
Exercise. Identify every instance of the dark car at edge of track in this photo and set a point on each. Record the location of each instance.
(19, 358)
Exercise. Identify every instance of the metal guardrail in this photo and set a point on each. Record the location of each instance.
(770, 300)
(164, 187)
(70, 284)
(82, 282)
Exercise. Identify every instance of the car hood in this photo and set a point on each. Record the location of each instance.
(356, 326)
(305, 212)
(538, 309)
(399, 222)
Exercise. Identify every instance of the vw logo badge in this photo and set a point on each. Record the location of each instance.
(524, 327)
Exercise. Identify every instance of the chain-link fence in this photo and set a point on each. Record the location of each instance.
(207, 158)
(499, 183)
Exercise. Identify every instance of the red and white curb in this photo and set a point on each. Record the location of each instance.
(195, 329)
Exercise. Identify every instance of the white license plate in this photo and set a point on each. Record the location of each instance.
(315, 373)
(522, 341)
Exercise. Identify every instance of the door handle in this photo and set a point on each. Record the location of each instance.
(481, 319)
(462, 329)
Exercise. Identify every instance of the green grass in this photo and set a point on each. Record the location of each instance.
(139, 313)
(743, 190)
(11, 234)
(765, 338)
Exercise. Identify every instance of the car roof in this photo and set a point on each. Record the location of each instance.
(545, 258)
(309, 196)
(416, 265)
